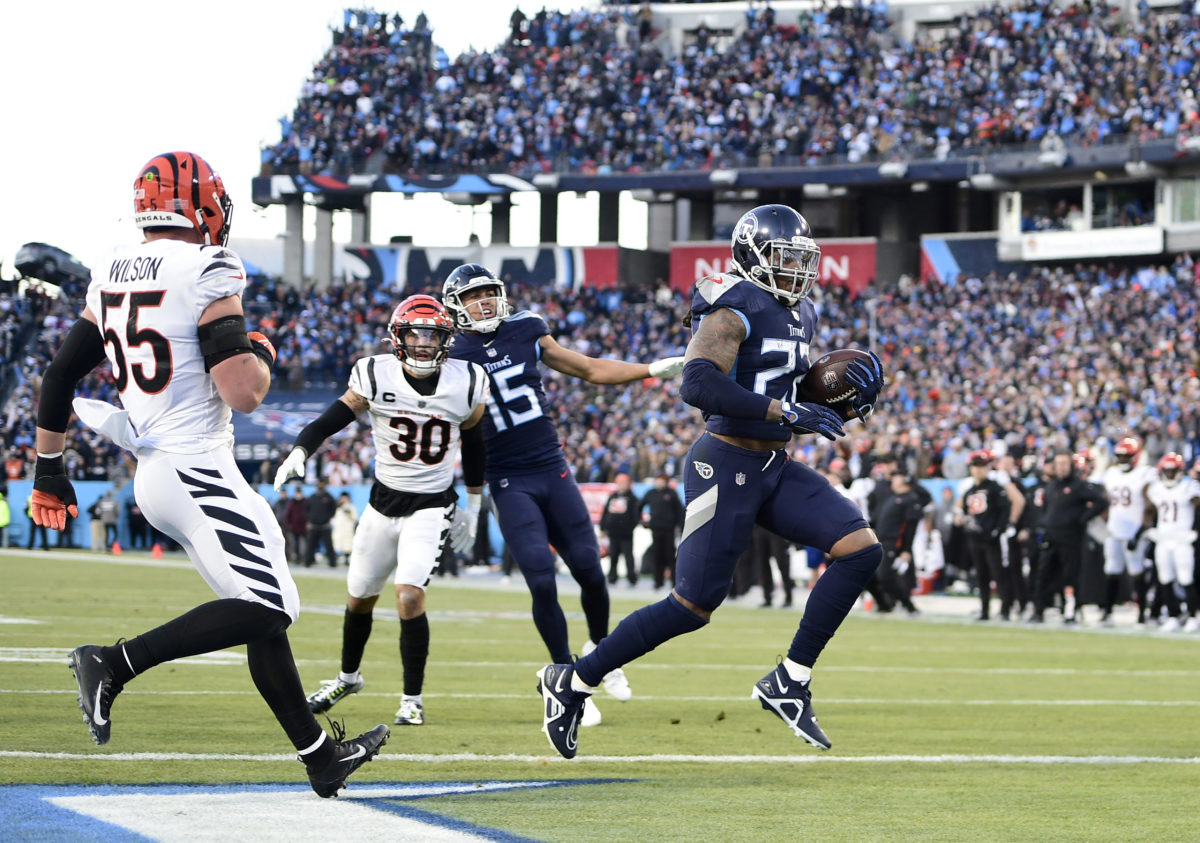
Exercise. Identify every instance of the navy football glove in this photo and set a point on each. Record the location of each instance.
(812, 418)
(866, 376)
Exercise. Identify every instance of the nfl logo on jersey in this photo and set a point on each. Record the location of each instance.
(740, 478)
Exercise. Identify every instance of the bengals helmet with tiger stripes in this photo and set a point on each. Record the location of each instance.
(181, 190)
(421, 330)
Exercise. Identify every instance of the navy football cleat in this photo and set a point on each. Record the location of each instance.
(792, 702)
(348, 756)
(97, 689)
(563, 708)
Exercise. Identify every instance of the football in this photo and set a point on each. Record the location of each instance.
(825, 381)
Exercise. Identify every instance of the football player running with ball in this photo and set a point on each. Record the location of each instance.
(421, 404)
(749, 349)
(167, 313)
(536, 500)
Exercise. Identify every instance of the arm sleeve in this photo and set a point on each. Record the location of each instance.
(81, 351)
(336, 417)
(474, 456)
(708, 389)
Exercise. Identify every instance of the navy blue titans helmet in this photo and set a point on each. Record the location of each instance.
(773, 249)
(472, 276)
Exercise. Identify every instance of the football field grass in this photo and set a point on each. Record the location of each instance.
(941, 730)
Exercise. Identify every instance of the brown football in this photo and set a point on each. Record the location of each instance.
(825, 381)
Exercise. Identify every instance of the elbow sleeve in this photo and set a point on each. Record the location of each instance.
(707, 388)
(81, 351)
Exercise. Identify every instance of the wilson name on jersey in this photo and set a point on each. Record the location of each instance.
(773, 357)
(148, 300)
(417, 436)
(520, 436)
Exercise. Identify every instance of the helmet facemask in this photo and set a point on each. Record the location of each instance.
(421, 348)
(499, 306)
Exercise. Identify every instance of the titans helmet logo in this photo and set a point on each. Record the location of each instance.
(747, 228)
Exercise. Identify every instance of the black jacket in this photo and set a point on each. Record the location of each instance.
(897, 518)
(1070, 503)
(986, 506)
(622, 513)
(666, 510)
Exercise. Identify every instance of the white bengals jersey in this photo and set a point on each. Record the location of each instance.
(147, 301)
(1126, 502)
(416, 436)
(1175, 505)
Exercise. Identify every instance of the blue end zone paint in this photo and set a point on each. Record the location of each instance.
(938, 252)
(27, 814)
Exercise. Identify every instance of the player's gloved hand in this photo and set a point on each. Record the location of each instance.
(805, 417)
(293, 466)
(53, 494)
(262, 347)
(461, 535)
(900, 564)
(866, 376)
(1010, 532)
(465, 523)
(668, 367)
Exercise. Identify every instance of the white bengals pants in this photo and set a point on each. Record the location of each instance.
(410, 546)
(228, 529)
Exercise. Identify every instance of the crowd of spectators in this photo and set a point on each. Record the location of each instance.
(1054, 358)
(597, 91)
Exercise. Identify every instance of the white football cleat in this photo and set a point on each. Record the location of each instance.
(615, 683)
(591, 714)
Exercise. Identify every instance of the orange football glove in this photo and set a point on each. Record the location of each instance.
(53, 494)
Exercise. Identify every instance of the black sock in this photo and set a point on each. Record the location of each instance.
(274, 673)
(356, 629)
(210, 627)
(1111, 586)
(593, 597)
(414, 652)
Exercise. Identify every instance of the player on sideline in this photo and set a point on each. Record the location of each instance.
(1125, 483)
(1171, 502)
(167, 313)
(751, 334)
(421, 404)
(536, 500)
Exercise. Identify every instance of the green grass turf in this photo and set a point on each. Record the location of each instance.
(914, 708)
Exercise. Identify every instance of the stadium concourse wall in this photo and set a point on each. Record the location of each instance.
(89, 491)
(852, 262)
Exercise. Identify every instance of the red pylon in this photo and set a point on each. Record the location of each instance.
(116, 549)
(156, 551)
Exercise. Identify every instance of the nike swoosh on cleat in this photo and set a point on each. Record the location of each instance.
(783, 689)
(359, 752)
(96, 716)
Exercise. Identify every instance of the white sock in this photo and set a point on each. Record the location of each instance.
(578, 684)
(350, 678)
(412, 698)
(797, 671)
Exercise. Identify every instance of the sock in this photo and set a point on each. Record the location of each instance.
(414, 652)
(1112, 585)
(797, 671)
(212, 626)
(593, 597)
(356, 629)
(413, 698)
(579, 685)
(831, 600)
(637, 635)
(549, 619)
(273, 670)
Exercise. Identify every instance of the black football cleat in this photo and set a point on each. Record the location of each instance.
(791, 701)
(97, 690)
(348, 756)
(563, 708)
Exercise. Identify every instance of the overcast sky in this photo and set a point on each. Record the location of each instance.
(93, 90)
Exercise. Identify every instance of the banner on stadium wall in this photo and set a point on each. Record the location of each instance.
(848, 261)
(1097, 243)
(415, 268)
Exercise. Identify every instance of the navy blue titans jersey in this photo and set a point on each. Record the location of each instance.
(772, 358)
(520, 437)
